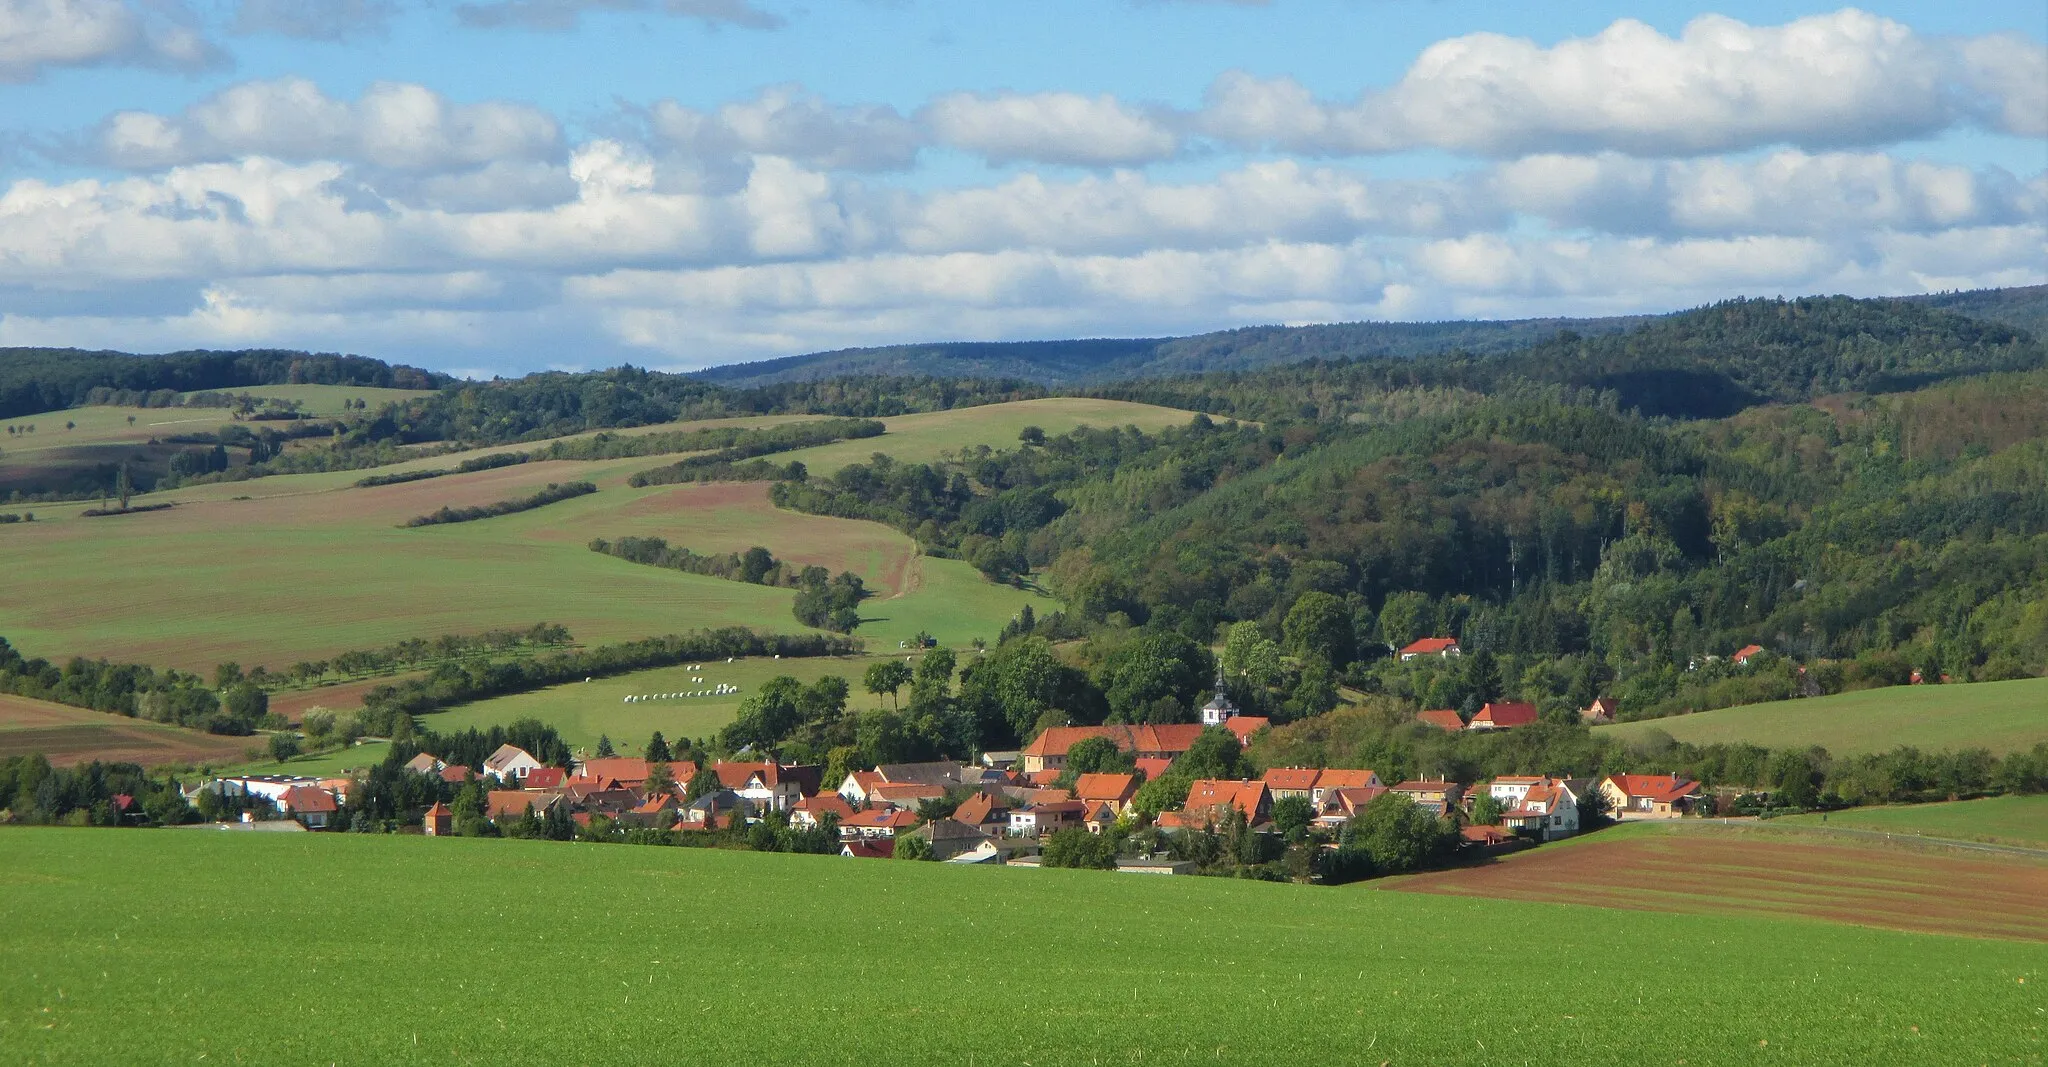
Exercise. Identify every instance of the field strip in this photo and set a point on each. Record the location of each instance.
(1890, 837)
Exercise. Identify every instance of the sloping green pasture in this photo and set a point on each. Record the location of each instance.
(2000, 716)
(2013, 820)
(131, 947)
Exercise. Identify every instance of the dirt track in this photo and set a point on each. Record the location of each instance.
(1696, 871)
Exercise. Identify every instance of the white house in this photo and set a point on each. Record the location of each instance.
(1510, 789)
(1549, 808)
(511, 763)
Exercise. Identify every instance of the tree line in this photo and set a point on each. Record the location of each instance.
(552, 493)
(823, 601)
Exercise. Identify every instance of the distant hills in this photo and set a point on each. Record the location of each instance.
(1103, 360)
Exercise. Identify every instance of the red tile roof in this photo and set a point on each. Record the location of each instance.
(502, 802)
(1043, 779)
(1244, 726)
(1747, 651)
(1430, 646)
(545, 778)
(1206, 795)
(457, 773)
(1056, 740)
(1112, 788)
(904, 793)
(866, 849)
(1153, 766)
(825, 804)
(1659, 788)
(882, 818)
(1441, 718)
(1506, 714)
(1167, 739)
(625, 770)
(982, 808)
(1345, 778)
(308, 800)
(1297, 779)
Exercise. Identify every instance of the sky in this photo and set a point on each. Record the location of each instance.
(499, 186)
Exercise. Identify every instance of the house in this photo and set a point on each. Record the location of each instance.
(1485, 836)
(1098, 816)
(1648, 796)
(1046, 818)
(1001, 761)
(770, 786)
(812, 810)
(545, 778)
(1600, 712)
(1436, 794)
(622, 772)
(987, 812)
(856, 785)
(309, 804)
(945, 774)
(1219, 709)
(1115, 790)
(1441, 718)
(1048, 751)
(1748, 652)
(1549, 810)
(1505, 715)
(513, 803)
(950, 839)
(611, 803)
(457, 774)
(869, 849)
(1153, 766)
(716, 809)
(1509, 789)
(511, 763)
(425, 764)
(877, 821)
(1333, 778)
(1208, 798)
(1244, 726)
(1285, 782)
(1341, 805)
(904, 794)
(440, 820)
(659, 810)
(268, 787)
(1043, 779)
(339, 787)
(1430, 646)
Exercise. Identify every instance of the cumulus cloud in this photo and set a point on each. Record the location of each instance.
(789, 122)
(39, 35)
(393, 124)
(565, 14)
(1825, 81)
(317, 20)
(1050, 127)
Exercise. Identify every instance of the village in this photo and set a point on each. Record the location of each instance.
(1003, 808)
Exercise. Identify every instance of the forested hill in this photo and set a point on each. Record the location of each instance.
(1081, 363)
(1067, 363)
(48, 379)
(1707, 363)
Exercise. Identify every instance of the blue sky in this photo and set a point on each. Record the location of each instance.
(500, 185)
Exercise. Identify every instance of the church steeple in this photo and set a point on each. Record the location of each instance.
(1219, 707)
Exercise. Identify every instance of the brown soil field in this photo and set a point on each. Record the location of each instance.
(346, 696)
(67, 735)
(1749, 873)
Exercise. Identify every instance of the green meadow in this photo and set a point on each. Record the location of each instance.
(2000, 716)
(2008, 820)
(144, 947)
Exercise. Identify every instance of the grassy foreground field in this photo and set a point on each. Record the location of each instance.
(411, 949)
(2000, 716)
(2021, 821)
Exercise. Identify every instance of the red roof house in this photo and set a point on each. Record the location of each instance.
(1430, 646)
(1505, 715)
(1441, 718)
(1207, 798)
(1743, 657)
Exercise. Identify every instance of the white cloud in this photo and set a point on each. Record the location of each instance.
(789, 122)
(39, 35)
(393, 124)
(1825, 81)
(565, 14)
(1049, 127)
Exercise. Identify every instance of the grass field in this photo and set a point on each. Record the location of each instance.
(1719, 870)
(924, 438)
(2021, 821)
(584, 710)
(335, 764)
(67, 735)
(121, 947)
(2000, 716)
(298, 567)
